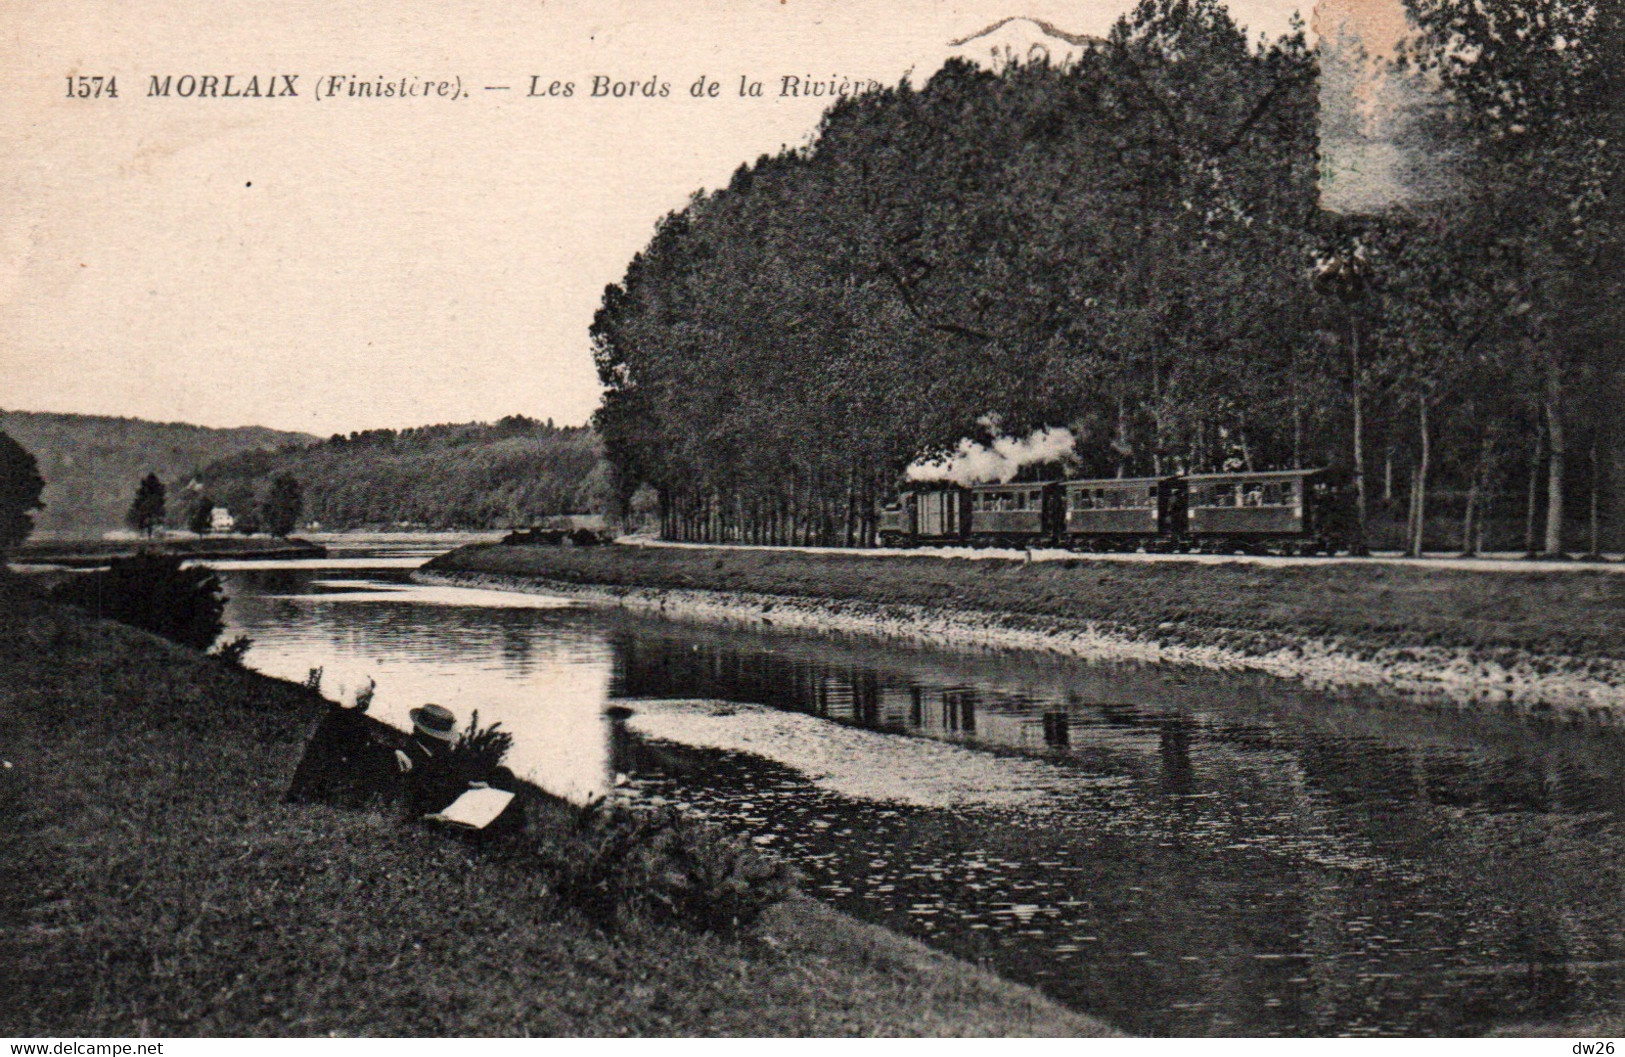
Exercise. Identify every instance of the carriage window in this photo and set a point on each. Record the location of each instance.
(1223, 495)
(1272, 495)
(1252, 495)
(1286, 493)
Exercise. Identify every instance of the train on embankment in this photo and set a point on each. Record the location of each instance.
(1293, 512)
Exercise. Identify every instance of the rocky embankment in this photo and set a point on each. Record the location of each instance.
(1539, 642)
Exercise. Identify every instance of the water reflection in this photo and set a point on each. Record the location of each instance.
(518, 659)
(1274, 863)
(1178, 852)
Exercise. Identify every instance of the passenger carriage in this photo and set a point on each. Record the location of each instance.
(1277, 510)
(1120, 513)
(1281, 511)
(1011, 515)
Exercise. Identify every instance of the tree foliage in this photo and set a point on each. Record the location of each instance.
(1124, 245)
(201, 519)
(282, 506)
(90, 460)
(1534, 101)
(20, 489)
(156, 592)
(513, 472)
(146, 513)
(1116, 245)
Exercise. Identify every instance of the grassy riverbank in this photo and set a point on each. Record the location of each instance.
(87, 554)
(152, 881)
(1478, 631)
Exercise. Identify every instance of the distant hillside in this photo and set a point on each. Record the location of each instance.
(514, 472)
(92, 463)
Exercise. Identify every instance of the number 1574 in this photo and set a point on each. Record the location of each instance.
(92, 87)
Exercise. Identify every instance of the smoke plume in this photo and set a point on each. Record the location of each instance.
(973, 463)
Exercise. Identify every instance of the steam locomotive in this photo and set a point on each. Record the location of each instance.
(1282, 512)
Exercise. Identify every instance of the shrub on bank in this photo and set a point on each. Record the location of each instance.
(478, 752)
(618, 865)
(234, 651)
(155, 592)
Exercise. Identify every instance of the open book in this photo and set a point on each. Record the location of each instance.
(475, 809)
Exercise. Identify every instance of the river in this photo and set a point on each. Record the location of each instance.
(1176, 851)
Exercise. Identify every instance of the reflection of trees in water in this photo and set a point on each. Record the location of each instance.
(1174, 747)
(1422, 878)
(515, 646)
(1273, 840)
(278, 581)
(285, 599)
(1184, 939)
(1358, 770)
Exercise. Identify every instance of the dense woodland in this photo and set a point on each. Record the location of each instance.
(1131, 245)
(93, 463)
(513, 472)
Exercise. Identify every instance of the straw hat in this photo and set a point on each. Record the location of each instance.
(435, 721)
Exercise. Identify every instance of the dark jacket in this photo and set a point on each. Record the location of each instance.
(347, 762)
(431, 778)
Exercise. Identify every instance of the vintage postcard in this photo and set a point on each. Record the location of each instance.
(811, 518)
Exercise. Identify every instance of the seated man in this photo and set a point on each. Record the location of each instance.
(434, 777)
(431, 776)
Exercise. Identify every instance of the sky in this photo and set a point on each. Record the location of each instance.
(334, 264)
